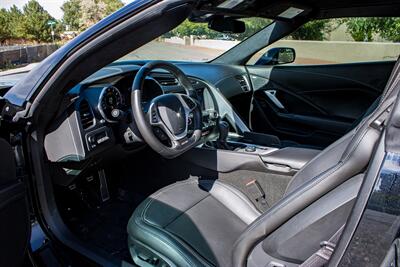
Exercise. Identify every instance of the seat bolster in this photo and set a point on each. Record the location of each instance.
(233, 199)
(154, 222)
(144, 229)
(305, 194)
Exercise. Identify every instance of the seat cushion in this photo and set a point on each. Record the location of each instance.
(191, 223)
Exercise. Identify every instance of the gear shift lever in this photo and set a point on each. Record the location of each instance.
(223, 129)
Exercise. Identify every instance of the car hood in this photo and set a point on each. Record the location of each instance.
(9, 78)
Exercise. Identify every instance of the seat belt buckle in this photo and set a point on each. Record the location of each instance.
(255, 190)
(328, 245)
(326, 250)
(379, 122)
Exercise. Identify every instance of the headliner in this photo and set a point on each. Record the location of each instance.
(314, 9)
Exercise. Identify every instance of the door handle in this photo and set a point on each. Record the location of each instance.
(271, 94)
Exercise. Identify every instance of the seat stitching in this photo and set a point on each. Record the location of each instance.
(164, 240)
(298, 192)
(328, 172)
(242, 197)
(247, 202)
(381, 102)
(157, 194)
(171, 244)
(310, 162)
(152, 199)
(396, 79)
(176, 218)
(314, 181)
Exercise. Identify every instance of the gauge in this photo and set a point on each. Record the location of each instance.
(110, 98)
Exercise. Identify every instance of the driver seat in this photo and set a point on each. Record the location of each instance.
(200, 222)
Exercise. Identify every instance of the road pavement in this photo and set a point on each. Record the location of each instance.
(174, 52)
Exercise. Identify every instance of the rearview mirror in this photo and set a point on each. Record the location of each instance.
(226, 25)
(277, 56)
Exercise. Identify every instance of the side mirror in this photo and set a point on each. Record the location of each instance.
(277, 56)
(226, 25)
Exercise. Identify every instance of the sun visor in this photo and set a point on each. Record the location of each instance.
(281, 10)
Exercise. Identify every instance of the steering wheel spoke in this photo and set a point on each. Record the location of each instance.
(188, 103)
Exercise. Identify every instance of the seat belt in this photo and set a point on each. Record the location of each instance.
(323, 255)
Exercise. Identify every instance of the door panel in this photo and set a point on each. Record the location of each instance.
(14, 219)
(314, 105)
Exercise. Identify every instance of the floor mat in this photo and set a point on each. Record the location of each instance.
(105, 226)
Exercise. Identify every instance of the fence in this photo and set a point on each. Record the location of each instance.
(17, 55)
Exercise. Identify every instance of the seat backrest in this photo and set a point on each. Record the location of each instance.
(348, 157)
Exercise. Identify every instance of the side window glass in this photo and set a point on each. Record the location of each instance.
(336, 41)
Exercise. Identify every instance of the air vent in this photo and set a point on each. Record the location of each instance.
(244, 84)
(166, 80)
(86, 115)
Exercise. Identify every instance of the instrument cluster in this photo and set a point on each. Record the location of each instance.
(110, 102)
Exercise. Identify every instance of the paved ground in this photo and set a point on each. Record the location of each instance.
(169, 51)
(177, 52)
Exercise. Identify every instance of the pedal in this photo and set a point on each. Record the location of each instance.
(104, 193)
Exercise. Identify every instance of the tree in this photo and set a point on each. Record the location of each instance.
(5, 30)
(93, 11)
(201, 30)
(365, 29)
(313, 30)
(253, 25)
(35, 24)
(188, 28)
(72, 13)
(389, 28)
(362, 29)
(112, 6)
(16, 22)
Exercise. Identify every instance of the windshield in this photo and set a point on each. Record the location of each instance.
(194, 42)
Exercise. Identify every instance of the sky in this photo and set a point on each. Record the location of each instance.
(52, 6)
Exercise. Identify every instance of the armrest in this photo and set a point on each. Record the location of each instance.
(293, 157)
(261, 139)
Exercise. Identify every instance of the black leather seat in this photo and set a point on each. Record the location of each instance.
(208, 223)
(196, 221)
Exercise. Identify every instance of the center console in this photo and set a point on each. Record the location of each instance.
(250, 151)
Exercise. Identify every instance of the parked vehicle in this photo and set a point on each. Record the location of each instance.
(113, 153)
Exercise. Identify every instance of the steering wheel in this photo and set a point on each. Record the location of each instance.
(174, 116)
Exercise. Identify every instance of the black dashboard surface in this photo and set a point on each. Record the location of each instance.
(86, 134)
(86, 131)
(224, 77)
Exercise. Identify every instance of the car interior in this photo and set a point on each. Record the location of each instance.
(156, 163)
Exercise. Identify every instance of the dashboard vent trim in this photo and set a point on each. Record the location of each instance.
(86, 115)
(166, 80)
(244, 83)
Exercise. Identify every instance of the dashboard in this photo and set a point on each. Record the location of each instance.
(112, 99)
(96, 121)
